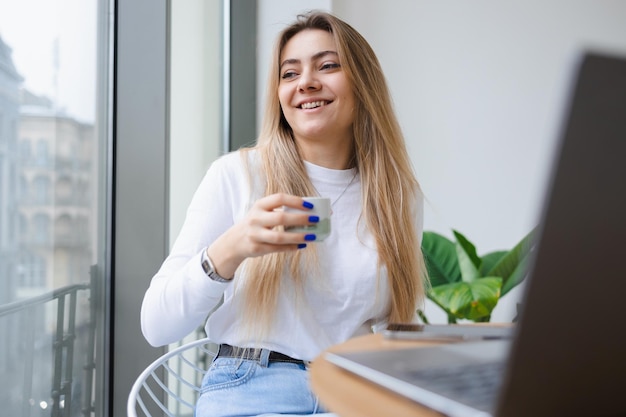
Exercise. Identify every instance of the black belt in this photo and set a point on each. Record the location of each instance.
(228, 351)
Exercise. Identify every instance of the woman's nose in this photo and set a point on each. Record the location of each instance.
(308, 81)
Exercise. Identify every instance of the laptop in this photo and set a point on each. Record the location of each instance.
(567, 356)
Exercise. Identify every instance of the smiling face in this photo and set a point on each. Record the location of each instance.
(314, 93)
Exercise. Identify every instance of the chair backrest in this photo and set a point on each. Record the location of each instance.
(170, 386)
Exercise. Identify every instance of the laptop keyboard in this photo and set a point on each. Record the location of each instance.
(475, 385)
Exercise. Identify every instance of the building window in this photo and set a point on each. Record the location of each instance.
(41, 229)
(31, 271)
(23, 191)
(25, 151)
(41, 188)
(23, 227)
(63, 229)
(63, 190)
(41, 153)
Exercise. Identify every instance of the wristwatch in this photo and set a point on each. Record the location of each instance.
(209, 269)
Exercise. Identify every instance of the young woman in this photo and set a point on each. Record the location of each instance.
(329, 130)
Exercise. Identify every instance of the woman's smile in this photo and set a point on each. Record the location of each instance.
(314, 104)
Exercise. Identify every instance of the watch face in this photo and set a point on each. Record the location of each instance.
(206, 266)
(208, 269)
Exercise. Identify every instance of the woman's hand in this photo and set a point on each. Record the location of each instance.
(258, 233)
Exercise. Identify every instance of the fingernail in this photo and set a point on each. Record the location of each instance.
(314, 219)
(301, 245)
(309, 237)
(306, 204)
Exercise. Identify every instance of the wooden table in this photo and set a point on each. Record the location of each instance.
(348, 395)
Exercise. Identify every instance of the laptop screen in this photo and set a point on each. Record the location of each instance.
(568, 357)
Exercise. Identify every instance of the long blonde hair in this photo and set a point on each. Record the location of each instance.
(388, 186)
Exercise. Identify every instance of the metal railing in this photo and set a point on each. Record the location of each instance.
(64, 335)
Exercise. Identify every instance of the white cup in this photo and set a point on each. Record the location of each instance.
(321, 209)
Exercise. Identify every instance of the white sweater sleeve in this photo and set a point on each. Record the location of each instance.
(180, 295)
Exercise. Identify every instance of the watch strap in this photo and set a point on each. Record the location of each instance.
(209, 269)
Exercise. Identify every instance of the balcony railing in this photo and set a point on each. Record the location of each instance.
(30, 317)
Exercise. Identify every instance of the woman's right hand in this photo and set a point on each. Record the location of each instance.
(258, 233)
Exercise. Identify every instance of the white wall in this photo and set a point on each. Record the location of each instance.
(479, 88)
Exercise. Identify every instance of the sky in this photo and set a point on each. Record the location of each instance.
(32, 28)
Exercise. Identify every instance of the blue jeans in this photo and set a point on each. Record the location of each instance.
(241, 387)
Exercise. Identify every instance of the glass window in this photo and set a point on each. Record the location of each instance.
(41, 186)
(41, 229)
(54, 83)
(23, 230)
(3, 135)
(24, 151)
(41, 156)
(64, 190)
(23, 190)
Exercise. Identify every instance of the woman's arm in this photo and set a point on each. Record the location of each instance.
(181, 295)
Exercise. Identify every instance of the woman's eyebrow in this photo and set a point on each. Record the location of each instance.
(315, 57)
(322, 54)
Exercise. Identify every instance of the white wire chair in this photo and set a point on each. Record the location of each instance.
(170, 385)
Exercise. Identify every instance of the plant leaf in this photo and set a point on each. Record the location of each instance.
(440, 257)
(513, 266)
(518, 275)
(465, 300)
(469, 262)
(490, 260)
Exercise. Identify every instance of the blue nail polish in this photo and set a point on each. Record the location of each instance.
(306, 204)
(301, 245)
(309, 237)
(314, 219)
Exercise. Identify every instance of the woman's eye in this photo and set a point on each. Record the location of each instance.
(330, 65)
(288, 74)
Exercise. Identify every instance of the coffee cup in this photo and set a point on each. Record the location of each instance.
(321, 209)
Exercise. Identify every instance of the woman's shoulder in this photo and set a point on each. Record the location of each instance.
(236, 161)
(237, 170)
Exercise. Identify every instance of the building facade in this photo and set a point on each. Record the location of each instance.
(48, 197)
(10, 82)
(56, 203)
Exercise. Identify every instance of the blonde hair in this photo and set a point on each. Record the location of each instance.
(388, 186)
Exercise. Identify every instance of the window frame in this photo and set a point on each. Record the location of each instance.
(140, 210)
(141, 214)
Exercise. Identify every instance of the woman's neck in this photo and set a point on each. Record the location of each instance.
(327, 155)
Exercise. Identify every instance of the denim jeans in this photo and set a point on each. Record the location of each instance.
(241, 387)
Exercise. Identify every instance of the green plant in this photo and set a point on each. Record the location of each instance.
(468, 286)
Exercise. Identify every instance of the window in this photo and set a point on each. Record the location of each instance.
(41, 155)
(23, 190)
(41, 230)
(25, 151)
(41, 186)
(3, 134)
(63, 228)
(54, 129)
(31, 271)
(64, 190)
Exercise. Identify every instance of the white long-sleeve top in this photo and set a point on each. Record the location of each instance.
(345, 300)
